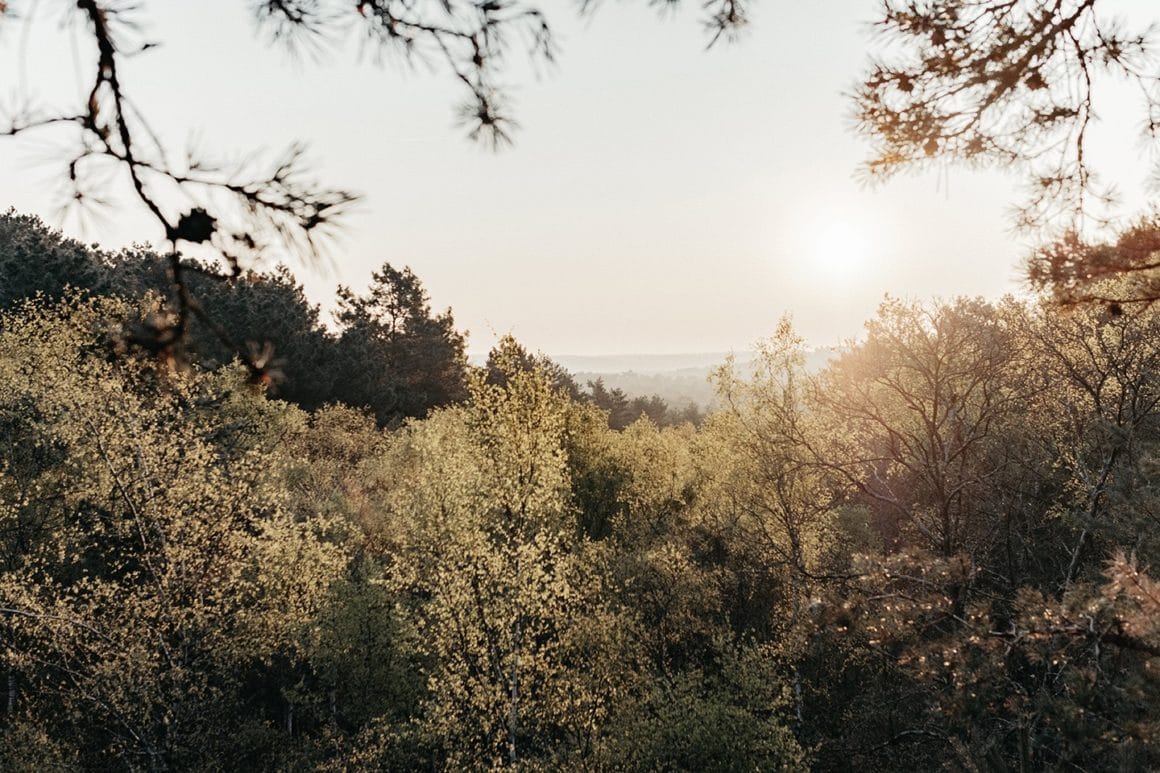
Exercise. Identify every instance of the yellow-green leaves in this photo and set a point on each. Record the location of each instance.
(506, 597)
(149, 552)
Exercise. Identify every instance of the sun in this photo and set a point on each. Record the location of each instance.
(840, 249)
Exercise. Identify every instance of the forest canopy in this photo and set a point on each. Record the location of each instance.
(237, 535)
(934, 549)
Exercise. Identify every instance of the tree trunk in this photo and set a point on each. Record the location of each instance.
(514, 704)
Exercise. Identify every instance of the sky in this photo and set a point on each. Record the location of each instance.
(659, 197)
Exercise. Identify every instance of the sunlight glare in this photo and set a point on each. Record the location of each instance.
(840, 249)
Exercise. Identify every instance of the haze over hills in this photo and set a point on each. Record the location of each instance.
(652, 364)
(645, 363)
(683, 363)
(679, 379)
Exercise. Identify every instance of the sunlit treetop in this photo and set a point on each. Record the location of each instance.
(1008, 83)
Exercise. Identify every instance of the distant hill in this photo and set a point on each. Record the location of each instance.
(645, 363)
(679, 379)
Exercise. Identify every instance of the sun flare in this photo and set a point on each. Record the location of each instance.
(840, 249)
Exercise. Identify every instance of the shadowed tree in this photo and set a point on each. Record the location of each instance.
(918, 420)
(394, 356)
(614, 402)
(37, 259)
(268, 316)
(263, 315)
(1099, 403)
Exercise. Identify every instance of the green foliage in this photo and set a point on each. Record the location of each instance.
(393, 356)
(508, 599)
(37, 260)
(932, 554)
(163, 561)
(725, 717)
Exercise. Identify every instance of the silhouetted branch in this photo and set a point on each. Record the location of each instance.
(1001, 82)
(249, 211)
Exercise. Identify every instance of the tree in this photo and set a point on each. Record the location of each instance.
(726, 715)
(1031, 679)
(393, 356)
(1120, 272)
(764, 482)
(1098, 407)
(613, 401)
(263, 317)
(1019, 642)
(36, 259)
(269, 316)
(526, 651)
(917, 420)
(149, 560)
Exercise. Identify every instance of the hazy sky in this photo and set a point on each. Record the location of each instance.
(659, 197)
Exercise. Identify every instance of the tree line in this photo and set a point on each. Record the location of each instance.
(931, 554)
(388, 352)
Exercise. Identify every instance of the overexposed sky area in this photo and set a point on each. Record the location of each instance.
(659, 197)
